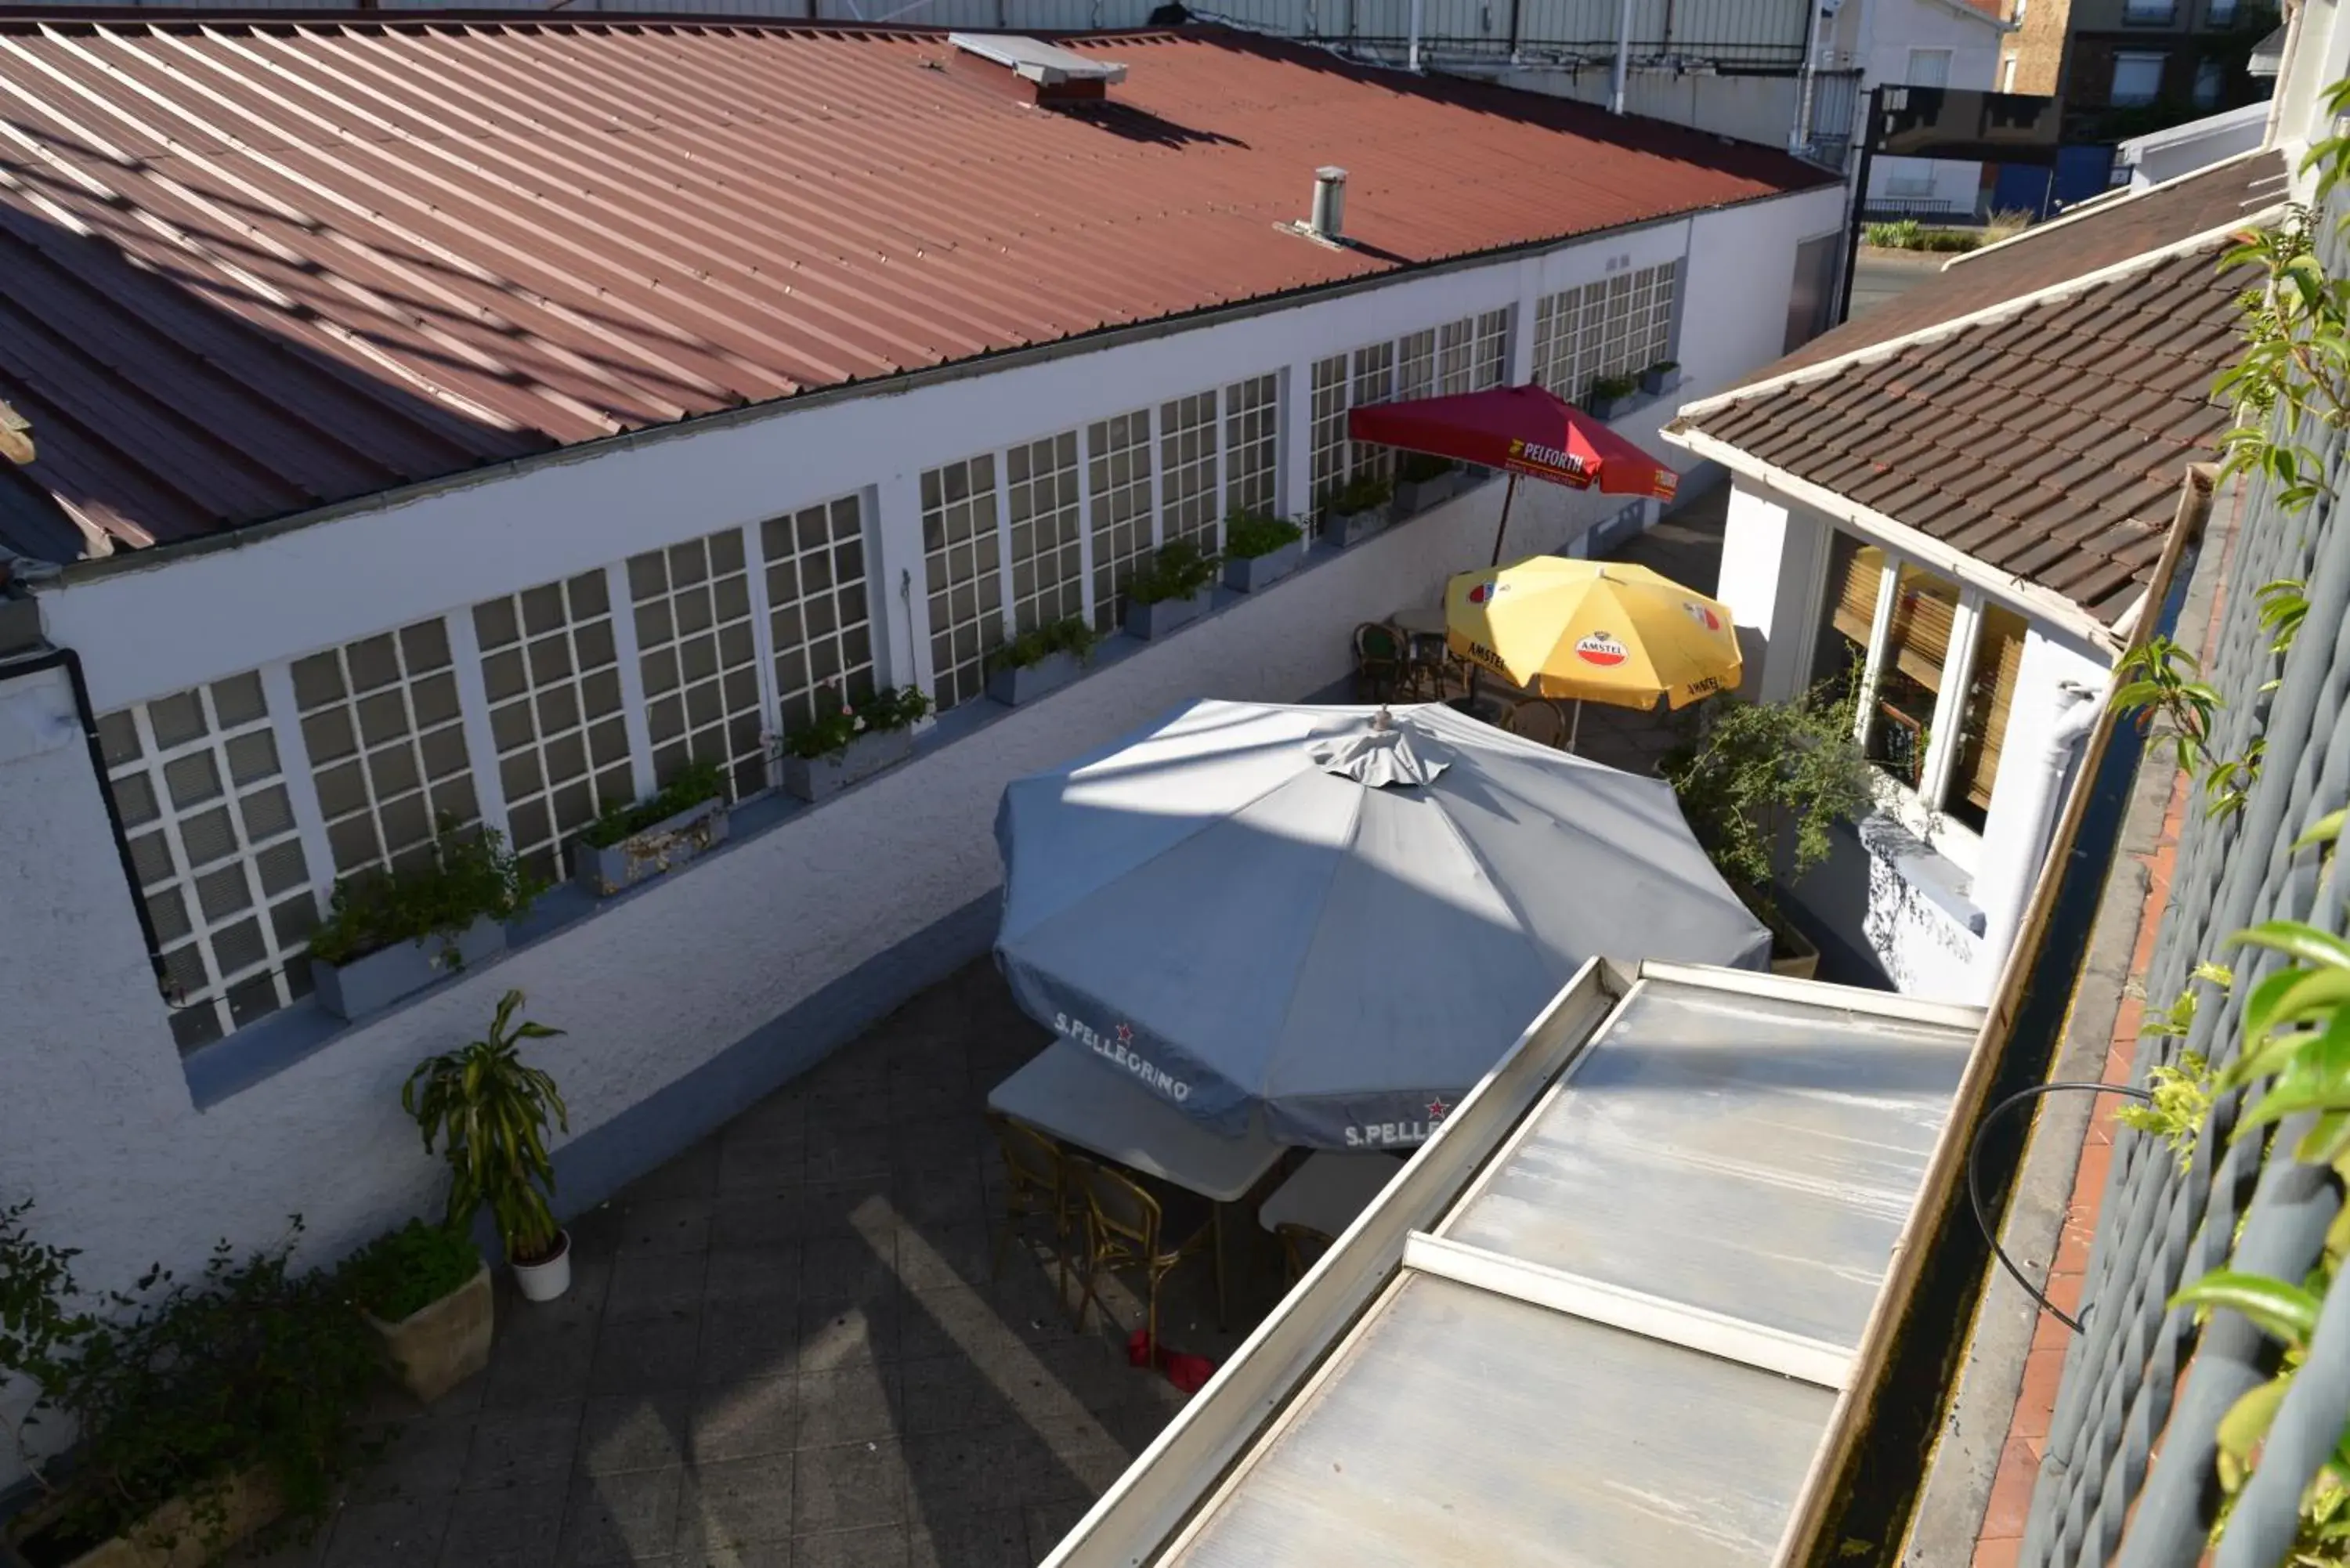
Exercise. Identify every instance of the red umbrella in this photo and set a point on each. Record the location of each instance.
(1520, 429)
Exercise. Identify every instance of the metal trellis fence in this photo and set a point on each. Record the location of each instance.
(2126, 1477)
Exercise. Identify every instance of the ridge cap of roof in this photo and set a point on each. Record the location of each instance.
(2098, 206)
(1884, 349)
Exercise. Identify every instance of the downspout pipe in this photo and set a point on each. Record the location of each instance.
(66, 658)
(1799, 134)
(1622, 56)
(2006, 883)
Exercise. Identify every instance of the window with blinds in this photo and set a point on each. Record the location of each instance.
(1909, 676)
(1991, 693)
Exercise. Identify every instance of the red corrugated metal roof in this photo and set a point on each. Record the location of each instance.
(252, 266)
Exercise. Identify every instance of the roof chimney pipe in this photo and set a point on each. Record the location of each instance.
(1329, 219)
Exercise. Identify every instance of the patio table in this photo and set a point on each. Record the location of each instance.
(1329, 1190)
(1061, 1094)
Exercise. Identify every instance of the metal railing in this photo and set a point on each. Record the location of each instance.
(2105, 1495)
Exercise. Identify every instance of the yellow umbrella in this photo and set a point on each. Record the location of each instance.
(1595, 631)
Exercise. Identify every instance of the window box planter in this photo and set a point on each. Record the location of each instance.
(442, 1343)
(1018, 683)
(1414, 496)
(821, 778)
(375, 981)
(1253, 574)
(176, 1535)
(1163, 618)
(1793, 954)
(675, 841)
(1610, 407)
(1656, 383)
(1344, 530)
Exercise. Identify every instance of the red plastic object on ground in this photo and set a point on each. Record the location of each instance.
(1188, 1373)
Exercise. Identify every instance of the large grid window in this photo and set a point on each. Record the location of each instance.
(1119, 455)
(1489, 361)
(1374, 383)
(1048, 564)
(963, 558)
(1187, 470)
(1252, 444)
(700, 658)
(202, 792)
(1416, 366)
(1328, 394)
(553, 676)
(817, 610)
(387, 745)
(1616, 326)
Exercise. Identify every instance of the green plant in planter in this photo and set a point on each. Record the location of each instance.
(1073, 634)
(1605, 387)
(1766, 784)
(1359, 494)
(687, 787)
(402, 1271)
(1249, 534)
(489, 1110)
(1178, 571)
(1419, 467)
(471, 873)
(831, 732)
(176, 1389)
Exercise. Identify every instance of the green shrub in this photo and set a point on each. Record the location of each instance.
(1359, 494)
(1178, 571)
(402, 1271)
(1605, 386)
(1072, 635)
(1248, 535)
(1419, 467)
(1900, 234)
(887, 710)
(687, 787)
(469, 874)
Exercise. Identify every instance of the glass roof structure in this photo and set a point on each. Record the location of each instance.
(1605, 1317)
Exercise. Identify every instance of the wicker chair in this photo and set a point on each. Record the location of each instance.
(1382, 661)
(1127, 1227)
(1036, 1182)
(1537, 719)
(1302, 1247)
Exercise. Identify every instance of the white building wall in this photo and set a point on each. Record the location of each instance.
(100, 1123)
(1889, 896)
(1879, 36)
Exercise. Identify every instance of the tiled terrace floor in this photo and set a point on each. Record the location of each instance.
(788, 1349)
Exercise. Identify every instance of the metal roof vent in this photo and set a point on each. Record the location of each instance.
(1329, 224)
(1058, 74)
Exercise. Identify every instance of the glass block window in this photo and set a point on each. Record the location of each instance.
(1374, 383)
(553, 676)
(1252, 444)
(818, 611)
(386, 744)
(700, 658)
(1328, 396)
(963, 558)
(1456, 349)
(1048, 562)
(1119, 458)
(202, 792)
(1489, 362)
(1416, 366)
(1653, 293)
(1187, 471)
(1617, 327)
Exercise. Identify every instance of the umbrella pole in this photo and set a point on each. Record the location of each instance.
(1507, 496)
(1574, 726)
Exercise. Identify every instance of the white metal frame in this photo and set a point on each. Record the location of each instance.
(413, 733)
(1121, 516)
(1252, 437)
(590, 672)
(1057, 528)
(783, 551)
(1190, 484)
(961, 676)
(736, 673)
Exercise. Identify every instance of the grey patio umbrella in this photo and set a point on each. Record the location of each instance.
(1342, 919)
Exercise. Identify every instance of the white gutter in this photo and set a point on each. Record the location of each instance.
(2043, 604)
(2005, 884)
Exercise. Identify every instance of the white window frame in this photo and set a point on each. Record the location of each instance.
(1928, 67)
(2158, 59)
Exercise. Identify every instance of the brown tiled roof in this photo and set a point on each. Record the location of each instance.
(252, 266)
(2048, 444)
(2044, 258)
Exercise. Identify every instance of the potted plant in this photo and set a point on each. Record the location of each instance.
(1353, 511)
(1609, 395)
(1040, 660)
(201, 1411)
(390, 934)
(686, 818)
(851, 743)
(1660, 378)
(425, 1291)
(1763, 789)
(1422, 481)
(490, 1110)
(1173, 591)
(1260, 550)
